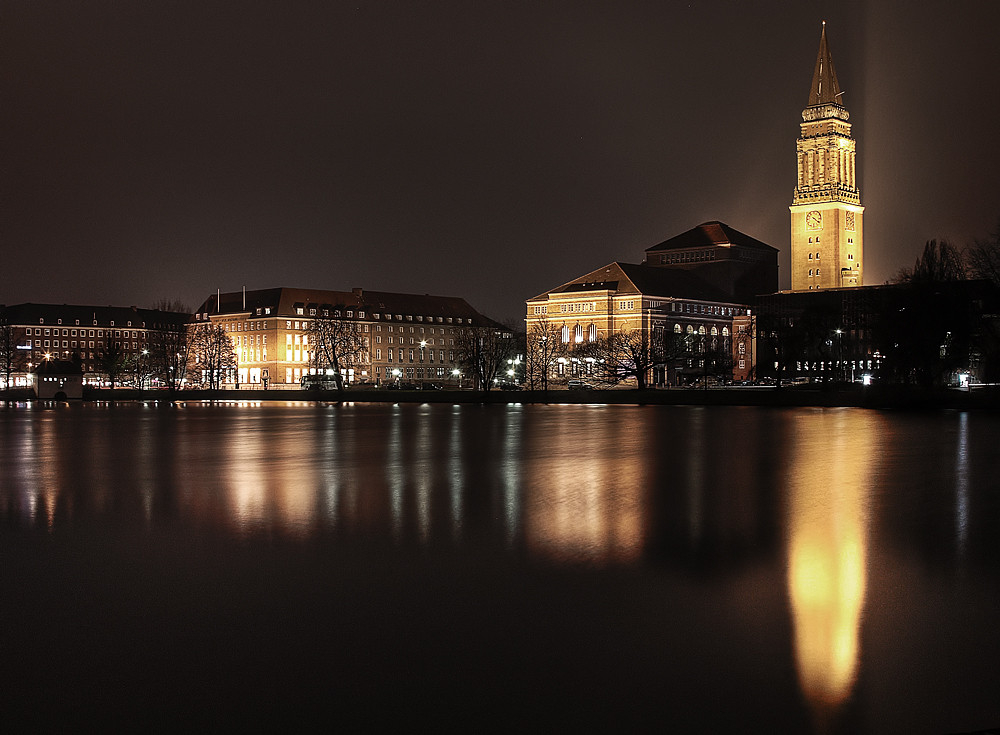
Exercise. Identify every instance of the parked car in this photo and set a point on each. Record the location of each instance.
(318, 382)
(579, 385)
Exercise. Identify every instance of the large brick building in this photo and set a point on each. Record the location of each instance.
(696, 283)
(83, 334)
(405, 337)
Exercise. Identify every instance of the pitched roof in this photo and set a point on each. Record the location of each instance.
(711, 233)
(284, 302)
(633, 278)
(825, 88)
(86, 316)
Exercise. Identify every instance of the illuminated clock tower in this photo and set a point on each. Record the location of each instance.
(827, 216)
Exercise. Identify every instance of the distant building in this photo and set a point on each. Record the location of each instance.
(57, 379)
(407, 337)
(84, 334)
(827, 219)
(921, 332)
(695, 284)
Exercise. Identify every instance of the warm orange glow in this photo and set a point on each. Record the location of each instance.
(828, 536)
(585, 504)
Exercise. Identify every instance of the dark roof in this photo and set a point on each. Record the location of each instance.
(632, 278)
(711, 233)
(674, 282)
(284, 301)
(74, 315)
(57, 367)
(825, 89)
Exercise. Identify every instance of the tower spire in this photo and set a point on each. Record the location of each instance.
(825, 87)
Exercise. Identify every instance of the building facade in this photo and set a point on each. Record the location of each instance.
(401, 338)
(827, 219)
(688, 286)
(87, 335)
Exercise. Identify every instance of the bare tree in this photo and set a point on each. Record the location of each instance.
(168, 355)
(172, 305)
(210, 354)
(9, 355)
(112, 361)
(939, 262)
(982, 258)
(628, 354)
(544, 347)
(484, 350)
(337, 344)
(139, 368)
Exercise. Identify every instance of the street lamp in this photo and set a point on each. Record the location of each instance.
(457, 375)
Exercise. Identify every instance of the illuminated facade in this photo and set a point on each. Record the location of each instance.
(827, 232)
(624, 297)
(405, 337)
(83, 334)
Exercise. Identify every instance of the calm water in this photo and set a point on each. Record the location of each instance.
(527, 567)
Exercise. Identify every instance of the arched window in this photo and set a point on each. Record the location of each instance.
(578, 334)
(725, 331)
(715, 332)
(565, 334)
(677, 329)
(592, 333)
(690, 329)
(701, 330)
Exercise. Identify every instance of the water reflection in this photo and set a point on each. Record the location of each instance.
(585, 486)
(829, 483)
(723, 535)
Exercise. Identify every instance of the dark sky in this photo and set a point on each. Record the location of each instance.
(489, 150)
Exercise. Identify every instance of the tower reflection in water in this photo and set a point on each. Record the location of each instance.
(828, 519)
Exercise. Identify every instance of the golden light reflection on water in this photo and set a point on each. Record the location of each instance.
(587, 495)
(831, 460)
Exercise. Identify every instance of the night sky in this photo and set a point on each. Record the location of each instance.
(489, 150)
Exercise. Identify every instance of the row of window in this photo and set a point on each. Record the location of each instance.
(415, 373)
(693, 256)
(714, 331)
(429, 354)
(629, 305)
(41, 320)
(74, 344)
(83, 333)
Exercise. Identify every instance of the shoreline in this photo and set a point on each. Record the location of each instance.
(875, 397)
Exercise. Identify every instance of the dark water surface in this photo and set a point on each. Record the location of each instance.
(281, 566)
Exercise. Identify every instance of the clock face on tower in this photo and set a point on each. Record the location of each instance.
(814, 220)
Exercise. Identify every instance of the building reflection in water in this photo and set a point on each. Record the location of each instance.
(829, 482)
(585, 496)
